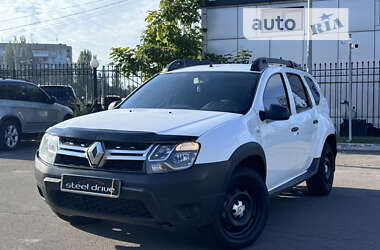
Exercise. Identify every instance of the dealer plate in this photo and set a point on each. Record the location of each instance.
(105, 187)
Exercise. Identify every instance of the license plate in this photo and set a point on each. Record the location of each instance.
(105, 187)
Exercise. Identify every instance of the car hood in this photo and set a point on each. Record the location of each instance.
(160, 121)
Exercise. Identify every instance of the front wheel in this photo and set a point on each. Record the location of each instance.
(244, 213)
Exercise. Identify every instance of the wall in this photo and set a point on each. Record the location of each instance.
(224, 33)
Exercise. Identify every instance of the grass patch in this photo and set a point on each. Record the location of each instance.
(358, 139)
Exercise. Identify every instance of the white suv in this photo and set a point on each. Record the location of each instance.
(26, 109)
(199, 145)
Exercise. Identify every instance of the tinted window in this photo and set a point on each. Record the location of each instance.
(301, 99)
(216, 91)
(314, 90)
(63, 94)
(275, 93)
(12, 91)
(4, 88)
(34, 94)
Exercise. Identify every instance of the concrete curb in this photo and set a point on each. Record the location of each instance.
(361, 147)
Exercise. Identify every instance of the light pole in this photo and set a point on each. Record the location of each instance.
(309, 42)
(94, 65)
(351, 46)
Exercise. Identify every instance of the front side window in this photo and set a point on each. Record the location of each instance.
(275, 93)
(301, 99)
(209, 91)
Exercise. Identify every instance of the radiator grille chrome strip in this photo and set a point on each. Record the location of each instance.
(110, 154)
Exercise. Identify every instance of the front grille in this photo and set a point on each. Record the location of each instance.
(102, 205)
(115, 165)
(118, 156)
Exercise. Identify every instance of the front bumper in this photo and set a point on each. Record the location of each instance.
(188, 198)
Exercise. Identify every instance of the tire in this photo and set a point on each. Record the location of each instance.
(10, 134)
(321, 183)
(77, 220)
(244, 212)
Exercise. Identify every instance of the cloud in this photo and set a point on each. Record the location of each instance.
(97, 27)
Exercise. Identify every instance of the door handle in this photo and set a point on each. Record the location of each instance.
(315, 121)
(295, 129)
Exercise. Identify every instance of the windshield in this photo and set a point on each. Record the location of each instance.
(210, 91)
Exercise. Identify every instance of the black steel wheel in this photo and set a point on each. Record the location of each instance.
(244, 212)
(321, 183)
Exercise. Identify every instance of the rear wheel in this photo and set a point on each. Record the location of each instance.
(77, 220)
(321, 183)
(244, 213)
(10, 135)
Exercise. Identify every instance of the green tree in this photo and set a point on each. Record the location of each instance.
(85, 57)
(83, 81)
(9, 57)
(18, 53)
(173, 32)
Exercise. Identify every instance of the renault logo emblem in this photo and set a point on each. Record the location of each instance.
(95, 154)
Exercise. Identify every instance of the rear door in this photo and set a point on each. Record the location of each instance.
(303, 121)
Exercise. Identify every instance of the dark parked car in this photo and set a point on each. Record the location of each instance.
(65, 95)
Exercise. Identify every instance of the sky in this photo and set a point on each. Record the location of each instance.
(97, 25)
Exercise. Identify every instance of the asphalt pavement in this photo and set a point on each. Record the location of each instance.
(349, 218)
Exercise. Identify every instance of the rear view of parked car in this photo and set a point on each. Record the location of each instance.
(64, 95)
(26, 109)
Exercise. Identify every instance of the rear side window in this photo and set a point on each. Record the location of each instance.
(12, 91)
(4, 90)
(314, 90)
(301, 98)
(275, 93)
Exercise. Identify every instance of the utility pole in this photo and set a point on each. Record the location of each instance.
(309, 42)
(350, 93)
(351, 46)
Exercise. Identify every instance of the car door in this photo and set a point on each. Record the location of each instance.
(303, 121)
(277, 138)
(42, 113)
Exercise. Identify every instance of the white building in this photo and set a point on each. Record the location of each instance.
(222, 20)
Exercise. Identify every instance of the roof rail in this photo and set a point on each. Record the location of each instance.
(262, 63)
(183, 63)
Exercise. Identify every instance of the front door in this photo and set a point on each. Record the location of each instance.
(277, 138)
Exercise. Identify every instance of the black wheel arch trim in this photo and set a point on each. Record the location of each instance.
(243, 152)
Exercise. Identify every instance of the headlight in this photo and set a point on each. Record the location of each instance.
(167, 158)
(48, 148)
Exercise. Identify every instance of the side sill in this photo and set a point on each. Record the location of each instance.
(312, 170)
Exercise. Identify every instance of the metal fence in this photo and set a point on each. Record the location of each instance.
(334, 82)
(332, 77)
(81, 77)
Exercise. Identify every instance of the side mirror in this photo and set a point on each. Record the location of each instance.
(113, 105)
(52, 100)
(275, 113)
